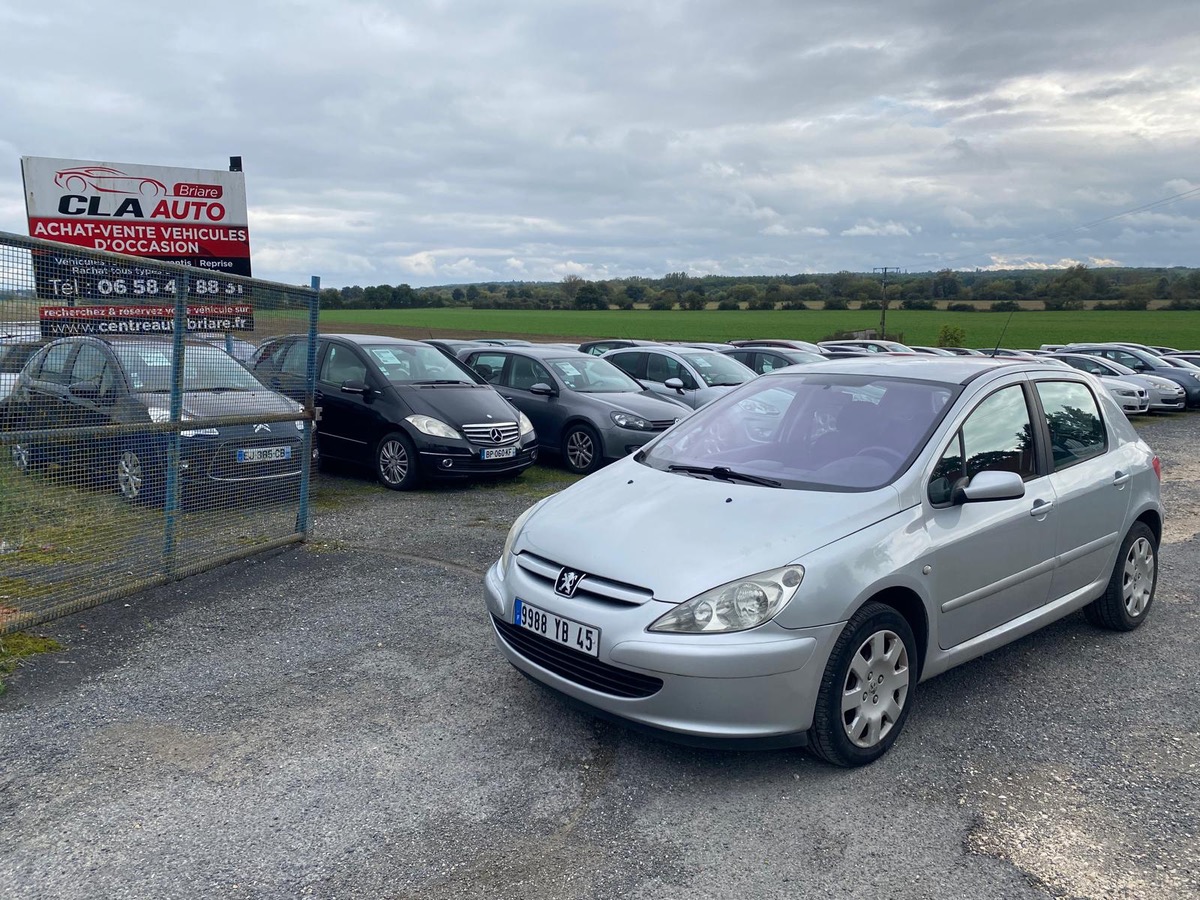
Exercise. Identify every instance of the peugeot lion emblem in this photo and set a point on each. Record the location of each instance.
(568, 582)
(497, 435)
(261, 427)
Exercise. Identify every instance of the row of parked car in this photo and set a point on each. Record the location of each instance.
(416, 410)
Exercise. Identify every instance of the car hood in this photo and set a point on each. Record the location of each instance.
(214, 404)
(678, 536)
(457, 406)
(647, 405)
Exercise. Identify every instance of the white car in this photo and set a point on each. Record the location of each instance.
(1163, 394)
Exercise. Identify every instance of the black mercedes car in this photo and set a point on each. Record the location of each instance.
(404, 408)
(92, 382)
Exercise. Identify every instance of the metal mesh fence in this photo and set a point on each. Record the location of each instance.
(135, 444)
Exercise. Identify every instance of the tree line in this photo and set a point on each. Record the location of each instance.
(1077, 287)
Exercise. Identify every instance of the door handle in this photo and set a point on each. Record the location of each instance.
(1121, 478)
(509, 399)
(318, 396)
(1041, 507)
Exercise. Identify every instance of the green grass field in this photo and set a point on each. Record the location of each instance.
(982, 329)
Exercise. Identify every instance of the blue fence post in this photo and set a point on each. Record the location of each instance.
(171, 487)
(310, 390)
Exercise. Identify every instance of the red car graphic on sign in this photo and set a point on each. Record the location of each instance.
(104, 180)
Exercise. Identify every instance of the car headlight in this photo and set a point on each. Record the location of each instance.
(299, 423)
(513, 534)
(1124, 393)
(433, 427)
(526, 425)
(162, 414)
(629, 420)
(736, 606)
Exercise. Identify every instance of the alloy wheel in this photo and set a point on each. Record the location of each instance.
(580, 450)
(1137, 583)
(20, 458)
(875, 689)
(393, 462)
(130, 475)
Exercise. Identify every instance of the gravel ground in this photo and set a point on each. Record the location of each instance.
(333, 721)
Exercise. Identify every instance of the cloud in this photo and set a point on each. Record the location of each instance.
(433, 142)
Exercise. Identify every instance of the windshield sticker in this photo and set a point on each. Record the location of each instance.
(385, 356)
(700, 362)
(154, 358)
(568, 369)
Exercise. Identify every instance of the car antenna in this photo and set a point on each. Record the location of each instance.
(1000, 339)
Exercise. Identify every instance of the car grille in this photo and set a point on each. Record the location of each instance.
(590, 586)
(493, 433)
(577, 667)
(662, 424)
(224, 465)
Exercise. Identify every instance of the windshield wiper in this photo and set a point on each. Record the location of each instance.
(440, 381)
(726, 383)
(724, 473)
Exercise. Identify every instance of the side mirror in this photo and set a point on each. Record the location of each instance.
(85, 390)
(354, 386)
(542, 389)
(675, 384)
(990, 486)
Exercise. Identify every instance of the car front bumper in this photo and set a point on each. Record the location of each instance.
(443, 459)
(753, 688)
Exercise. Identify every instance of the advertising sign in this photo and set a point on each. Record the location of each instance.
(57, 321)
(194, 217)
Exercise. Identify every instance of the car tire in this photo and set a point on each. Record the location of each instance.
(23, 459)
(396, 462)
(137, 480)
(867, 689)
(582, 450)
(1130, 592)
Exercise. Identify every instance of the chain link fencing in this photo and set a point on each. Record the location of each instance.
(136, 446)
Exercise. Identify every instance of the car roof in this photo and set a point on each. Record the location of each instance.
(538, 351)
(919, 366)
(361, 339)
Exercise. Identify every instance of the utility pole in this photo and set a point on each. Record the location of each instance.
(883, 300)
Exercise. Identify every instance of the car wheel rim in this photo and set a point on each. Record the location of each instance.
(580, 450)
(875, 689)
(1138, 579)
(130, 475)
(20, 457)
(393, 462)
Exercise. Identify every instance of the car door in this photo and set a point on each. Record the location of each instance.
(547, 412)
(993, 560)
(746, 358)
(1090, 481)
(92, 392)
(351, 423)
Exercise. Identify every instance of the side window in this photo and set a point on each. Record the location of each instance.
(1126, 359)
(54, 364)
(1076, 429)
(92, 366)
(997, 436)
(770, 362)
(341, 365)
(295, 358)
(524, 373)
(659, 368)
(490, 366)
(627, 363)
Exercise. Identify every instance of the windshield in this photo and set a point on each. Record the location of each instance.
(808, 430)
(205, 368)
(592, 375)
(716, 369)
(420, 364)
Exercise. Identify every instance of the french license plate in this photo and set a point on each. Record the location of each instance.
(567, 632)
(264, 454)
(498, 453)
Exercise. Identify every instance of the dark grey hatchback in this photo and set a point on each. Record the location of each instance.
(403, 408)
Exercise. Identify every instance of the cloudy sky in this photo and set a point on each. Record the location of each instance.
(439, 141)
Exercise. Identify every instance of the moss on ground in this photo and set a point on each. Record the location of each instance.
(18, 646)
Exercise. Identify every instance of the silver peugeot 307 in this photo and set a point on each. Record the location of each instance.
(783, 567)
